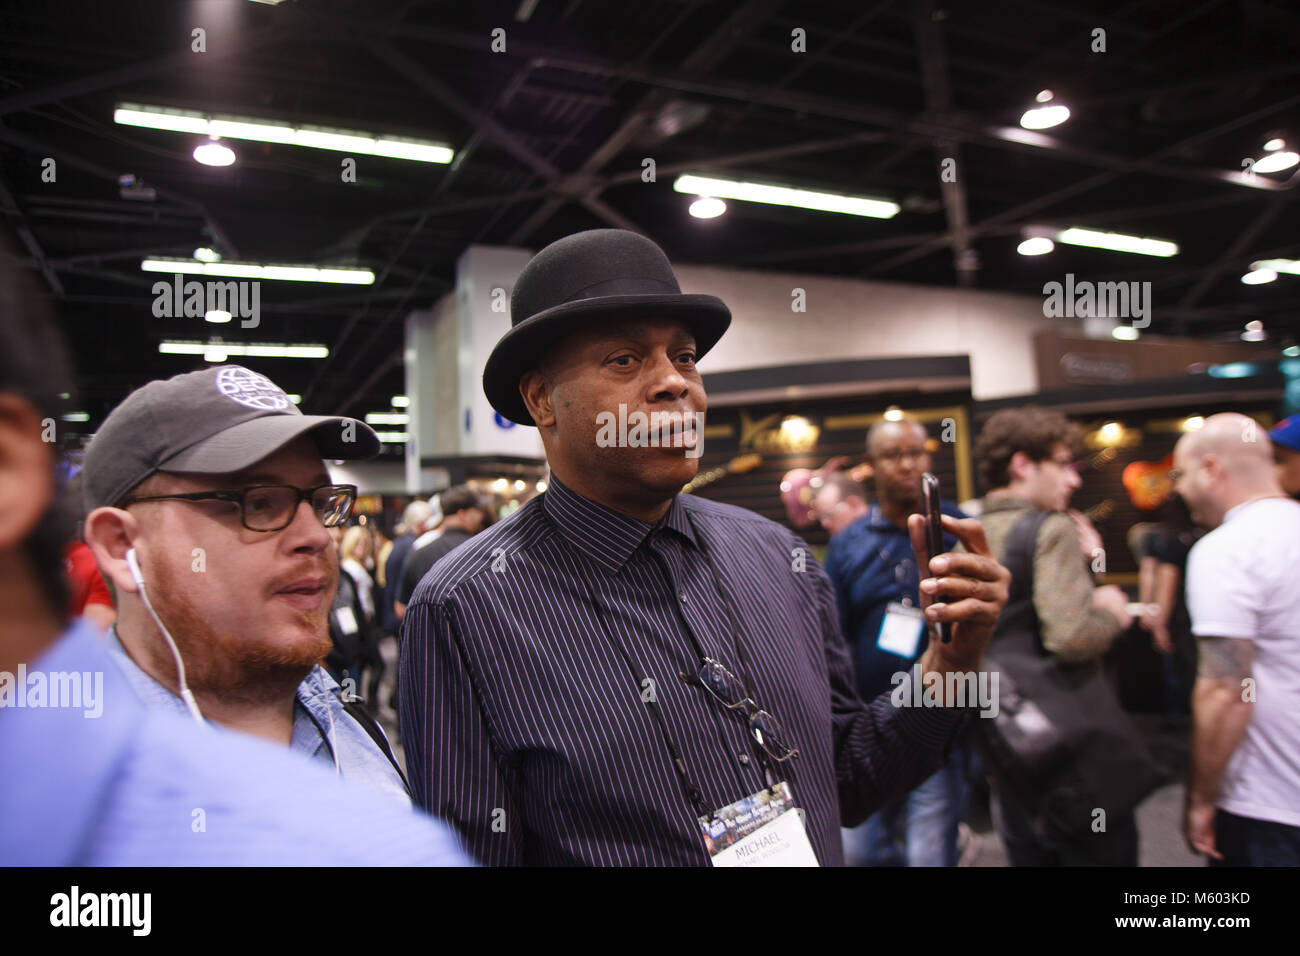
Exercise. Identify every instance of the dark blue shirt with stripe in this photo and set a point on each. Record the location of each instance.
(530, 652)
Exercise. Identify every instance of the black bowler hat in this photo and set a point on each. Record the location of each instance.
(603, 274)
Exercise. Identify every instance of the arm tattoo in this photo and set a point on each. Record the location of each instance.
(1223, 657)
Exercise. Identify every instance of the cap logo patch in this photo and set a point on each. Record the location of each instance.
(251, 389)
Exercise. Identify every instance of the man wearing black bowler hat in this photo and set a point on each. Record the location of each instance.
(621, 674)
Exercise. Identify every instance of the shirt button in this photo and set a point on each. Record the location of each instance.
(683, 597)
(743, 758)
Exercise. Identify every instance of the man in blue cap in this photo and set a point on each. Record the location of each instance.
(1285, 436)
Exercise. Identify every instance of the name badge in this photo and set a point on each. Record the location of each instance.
(347, 621)
(764, 829)
(901, 630)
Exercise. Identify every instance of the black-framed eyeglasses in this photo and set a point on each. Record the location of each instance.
(272, 507)
(728, 689)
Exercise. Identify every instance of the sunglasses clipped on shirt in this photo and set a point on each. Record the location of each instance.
(272, 507)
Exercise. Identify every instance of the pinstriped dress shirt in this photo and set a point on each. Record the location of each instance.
(525, 657)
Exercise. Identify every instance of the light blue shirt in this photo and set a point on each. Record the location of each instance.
(322, 729)
(137, 787)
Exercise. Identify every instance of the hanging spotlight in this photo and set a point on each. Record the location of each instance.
(1035, 246)
(707, 207)
(1044, 117)
(214, 154)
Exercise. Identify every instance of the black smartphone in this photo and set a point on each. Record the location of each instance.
(933, 536)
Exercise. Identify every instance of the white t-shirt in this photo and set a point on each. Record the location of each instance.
(1242, 583)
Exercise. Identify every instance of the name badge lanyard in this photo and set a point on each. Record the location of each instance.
(764, 758)
(692, 789)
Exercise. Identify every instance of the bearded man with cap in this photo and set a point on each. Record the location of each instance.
(207, 509)
(621, 674)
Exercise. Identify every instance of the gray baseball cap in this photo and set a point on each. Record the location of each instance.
(211, 422)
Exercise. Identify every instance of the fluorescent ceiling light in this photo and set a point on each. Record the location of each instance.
(1291, 266)
(1117, 242)
(254, 270)
(204, 254)
(388, 418)
(392, 438)
(1125, 333)
(707, 207)
(1045, 117)
(401, 401)
(77, 417)
(1276, 162)
(214, 154)
(217, 316)
(1259, 276)
(785, 196)
(1036, 246)
(250, 349)
(1274, 144)
(267, 131)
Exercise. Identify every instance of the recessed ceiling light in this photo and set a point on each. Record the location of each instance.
(401, 401)
(785, 196)
(1035, 246)
(204, 254)
(214, 154)
(1254, 335)
(1290, 266)
(1291, 351)
(388, 418)
(1044, 96)
(295, 398)
(1259, 276)
(1125, 333)
(217, 316)
(77, 417)
(707, 207)
(1274, 144)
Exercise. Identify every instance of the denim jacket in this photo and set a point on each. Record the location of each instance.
(322, 729)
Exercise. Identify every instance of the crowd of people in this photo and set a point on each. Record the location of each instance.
(617, 673)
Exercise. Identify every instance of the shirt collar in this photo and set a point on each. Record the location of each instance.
(607, 536)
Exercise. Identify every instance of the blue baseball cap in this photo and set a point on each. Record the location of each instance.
(1287, 433)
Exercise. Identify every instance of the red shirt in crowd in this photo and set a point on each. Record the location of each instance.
(84, 580)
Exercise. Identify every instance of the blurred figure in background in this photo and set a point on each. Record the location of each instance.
(355, 558)
(1161, 552)
(839, 502)
(1243, 794)
(88, 596)
(1026, 457)
(464, 514)
(871, 564)
(408, 529)
(1285, 436)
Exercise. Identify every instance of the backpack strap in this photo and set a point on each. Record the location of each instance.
(371, 727)
(1020, 615)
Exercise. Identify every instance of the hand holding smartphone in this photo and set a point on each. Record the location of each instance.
(933, 537)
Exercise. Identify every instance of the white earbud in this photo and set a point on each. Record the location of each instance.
(186, 694)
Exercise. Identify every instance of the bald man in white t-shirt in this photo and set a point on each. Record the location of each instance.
(1243, 593)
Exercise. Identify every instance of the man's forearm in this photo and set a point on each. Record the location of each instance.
(1220, 718)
